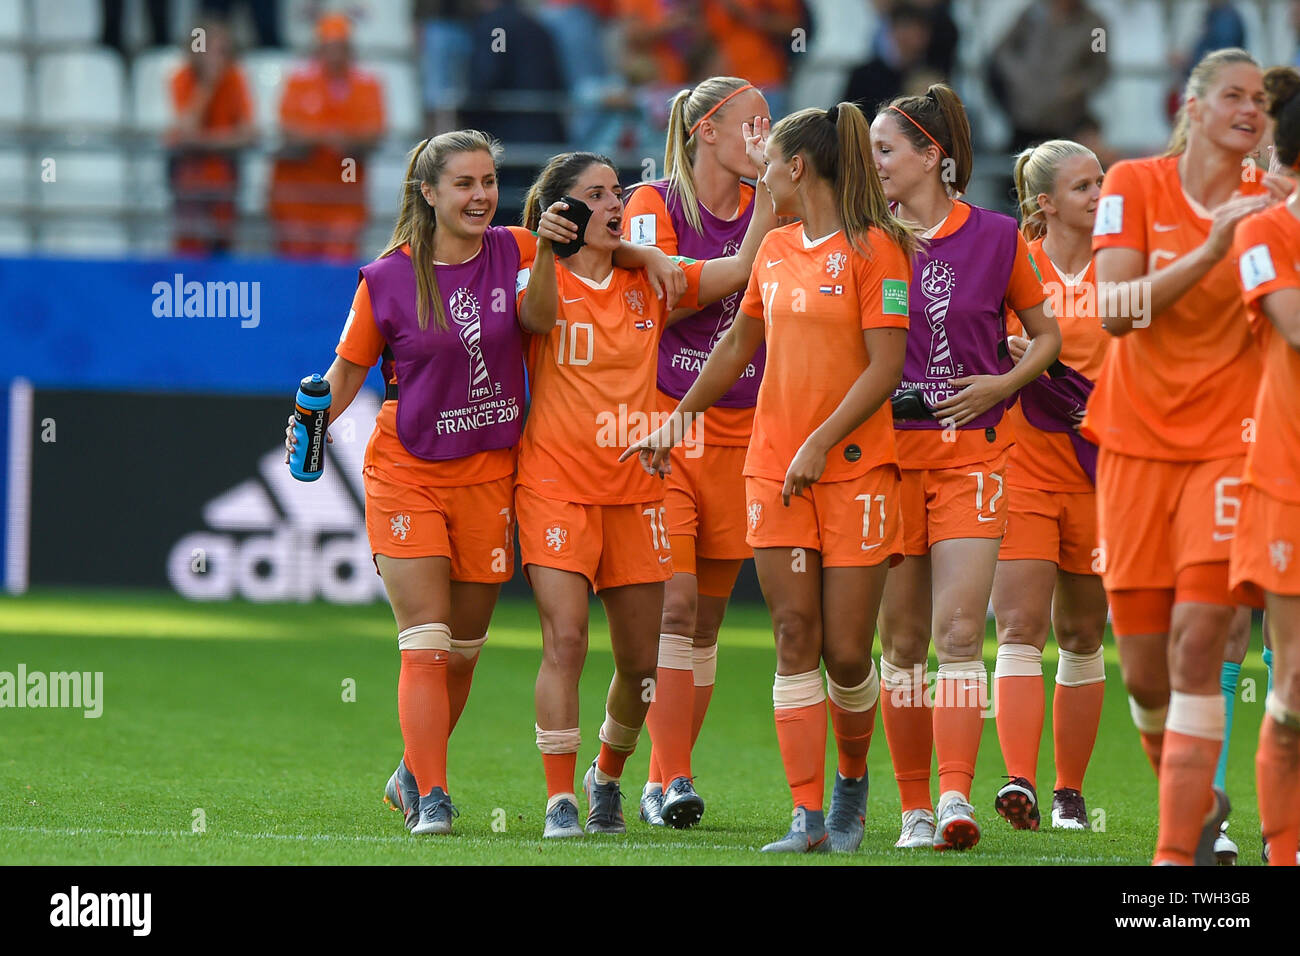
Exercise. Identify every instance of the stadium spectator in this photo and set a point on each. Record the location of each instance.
(158, 13)
(444, 58)
(1046, 67)
(213, 121)
(331, 114)
(1221, 28)
(517, 87)
(597, 95)
(265, 15)
(902, 68)
(663, 48)
(941, 48)
(753, 39)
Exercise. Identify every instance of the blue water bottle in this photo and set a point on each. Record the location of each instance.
(311, 414)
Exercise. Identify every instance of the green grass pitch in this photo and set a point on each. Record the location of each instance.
(238, 711)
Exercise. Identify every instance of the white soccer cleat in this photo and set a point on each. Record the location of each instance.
(918, 830)
(1225, 851)
(955, 827)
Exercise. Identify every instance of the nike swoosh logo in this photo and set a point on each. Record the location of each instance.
(665, 559)
(1161, 227)
(773, 262)
(868, 547)
(1224, 537)
(982, 518)
(571, 301)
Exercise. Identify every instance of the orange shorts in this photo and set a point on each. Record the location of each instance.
(1056, 526)
(610, 545)
(1155, 518)
(705, 497)
(939, 504)
(470, 524)
(1263, 552)
(853, 523)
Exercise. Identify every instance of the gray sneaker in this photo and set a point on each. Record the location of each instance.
(1210, 831)
(807, 834)
(682, 807)
(562, 821)
(652, 802)
(604, 804)
(402, 794)
(435, 814)
(846, 820)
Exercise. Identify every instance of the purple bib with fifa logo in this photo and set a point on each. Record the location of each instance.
(686, 344)
(461, 391)
(958, 326)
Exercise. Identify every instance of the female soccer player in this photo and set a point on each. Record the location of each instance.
(1263, 551)
(584, 521)
(829, 296)
(952, 449)
(1047, 573)
(439, 468)
(1171, 413)
(701, 210)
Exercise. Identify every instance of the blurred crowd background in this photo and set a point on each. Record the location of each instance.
(281, 127)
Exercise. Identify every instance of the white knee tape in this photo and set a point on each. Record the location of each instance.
(1148, 721)
(1197, 715)
(1274, 707)
(856, 699)
(903, 684)
(798, 690)
(1076, 670)
(468, 649)
(425, 637)
(675, 652)
(704, 660)
(1018, 660)
(558, 741)
(963, 670)
(618, 736)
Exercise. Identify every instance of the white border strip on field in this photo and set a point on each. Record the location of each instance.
(18, 513)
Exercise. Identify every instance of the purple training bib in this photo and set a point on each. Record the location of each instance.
(957, 323)
(461, 391)
(686, 344)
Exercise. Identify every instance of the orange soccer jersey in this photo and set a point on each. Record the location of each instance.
(815, 299)
(1046, 460)
(1182, 388)
(593, 389)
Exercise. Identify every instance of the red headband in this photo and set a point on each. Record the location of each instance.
(691, 132)
(921, 128)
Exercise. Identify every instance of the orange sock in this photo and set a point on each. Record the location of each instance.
(460, 675)
(1076, 715)
(852, 738)
(1020, 704)
(655, 776)
(1277, 776)
(669, 717)
(1193, 739)
(799, 706)
(560, 772)
(703, 694)
(1153, 745)
(909, 732)
(959, 700)
(422, 710)
(611, 761)
(1151, 726)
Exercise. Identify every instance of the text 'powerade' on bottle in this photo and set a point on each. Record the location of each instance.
(311, 417)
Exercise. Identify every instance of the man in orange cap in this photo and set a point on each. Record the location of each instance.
(331, 115)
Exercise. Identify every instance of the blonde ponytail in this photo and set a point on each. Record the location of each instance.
(1035, 173)
(688, 108)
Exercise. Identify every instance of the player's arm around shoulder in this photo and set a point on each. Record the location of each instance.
(1268, 275)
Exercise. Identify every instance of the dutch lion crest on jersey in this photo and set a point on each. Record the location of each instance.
(1279, 554)
(557, 536)
(835, 264)
(400, 525)
(635, 301)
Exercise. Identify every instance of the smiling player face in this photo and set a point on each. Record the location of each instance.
(1231, 114)
(902, 167)
(465, 197)
(728, 140)
(777, 177)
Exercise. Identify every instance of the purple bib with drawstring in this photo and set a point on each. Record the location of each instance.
(957, 325)
(460, 390)
(1055, 402)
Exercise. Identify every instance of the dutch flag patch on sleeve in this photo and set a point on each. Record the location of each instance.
(1256, 266)
(1110, 216)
